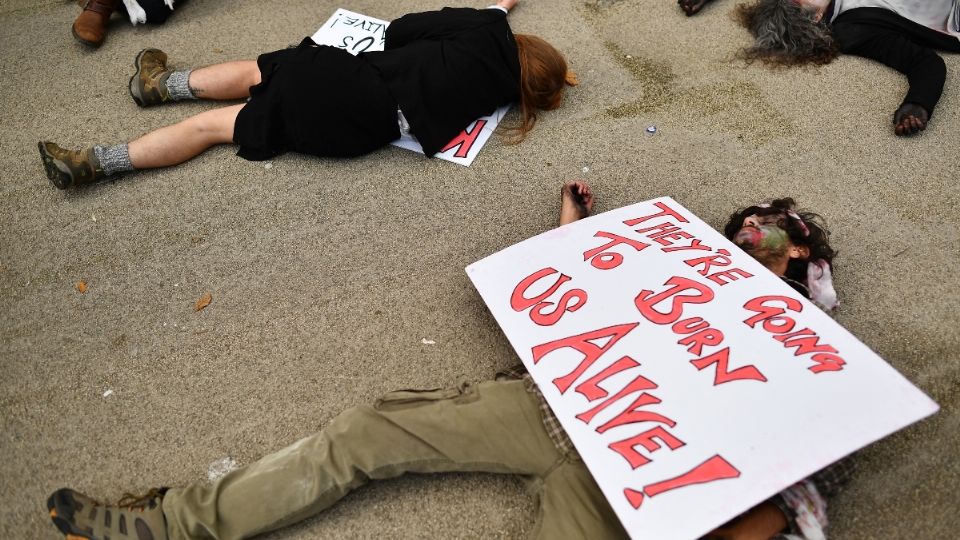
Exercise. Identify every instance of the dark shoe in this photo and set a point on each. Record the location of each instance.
(90, 28)
(148, 86)
(69, 168)
(132, 518)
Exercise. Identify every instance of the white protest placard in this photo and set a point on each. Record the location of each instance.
(357, 33)
(693, 381)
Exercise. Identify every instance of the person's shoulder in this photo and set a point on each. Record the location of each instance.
(866, 15)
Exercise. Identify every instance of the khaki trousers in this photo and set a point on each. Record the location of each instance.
(491, 427)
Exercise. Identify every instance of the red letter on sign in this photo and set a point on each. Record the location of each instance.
(633, 414)
(664, 211)
(711, 470)
(582, 342)
(806, 341)
(646, 300)
(465, 140)
(626, 447)
(637, 385)
(519, 302)
(722, 375)
(770, 315)
(612, 259)
(826, 362)
(537, 315)
(591, 389)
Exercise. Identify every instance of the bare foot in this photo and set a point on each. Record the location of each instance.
(692, 7)
(909, 119)
(576, 201)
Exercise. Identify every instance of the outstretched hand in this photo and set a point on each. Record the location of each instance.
(909, 119)
(692, 7)
(507, 4)
(576, 201)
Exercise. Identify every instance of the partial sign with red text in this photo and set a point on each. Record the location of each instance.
(693, 381)
(356, 33)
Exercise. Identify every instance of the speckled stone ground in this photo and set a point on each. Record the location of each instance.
(326, 275)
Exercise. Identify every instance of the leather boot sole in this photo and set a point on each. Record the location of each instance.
(61, 508)
(92, 44)
(60, 178)
(136, 73)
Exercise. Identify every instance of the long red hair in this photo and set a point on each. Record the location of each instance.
(543, 77)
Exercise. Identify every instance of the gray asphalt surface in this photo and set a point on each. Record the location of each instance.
(327, 274)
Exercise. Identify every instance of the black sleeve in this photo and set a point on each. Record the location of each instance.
(443, 24)
(925, 70)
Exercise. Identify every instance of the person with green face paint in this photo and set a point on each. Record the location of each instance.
(500, 426)
(793, 245)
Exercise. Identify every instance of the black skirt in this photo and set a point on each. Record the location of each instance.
(316, 100)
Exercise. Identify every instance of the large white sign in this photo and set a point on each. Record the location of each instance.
(693, 381)
(356, 33)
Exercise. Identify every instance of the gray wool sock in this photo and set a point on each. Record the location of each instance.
(113, 159)
(178, 84)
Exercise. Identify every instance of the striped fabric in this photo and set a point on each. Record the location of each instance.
(550, 422)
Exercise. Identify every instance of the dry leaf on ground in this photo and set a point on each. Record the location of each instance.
(203, 302)
(81, 286)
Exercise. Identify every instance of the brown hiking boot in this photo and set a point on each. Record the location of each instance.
(69, 168)
(148, 86)
(132, 518)
(90, 28)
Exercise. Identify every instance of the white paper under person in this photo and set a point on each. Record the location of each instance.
(357, 33)
(693, 381)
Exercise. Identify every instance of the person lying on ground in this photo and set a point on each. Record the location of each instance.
(500, 426)
(901, 34)
(439, 71)
(90, 27)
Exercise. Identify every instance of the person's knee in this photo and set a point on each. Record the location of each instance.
(216, 125)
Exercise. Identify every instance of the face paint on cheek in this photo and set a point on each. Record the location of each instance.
(764, 242)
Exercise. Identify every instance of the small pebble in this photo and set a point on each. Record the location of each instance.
(586, 169)
(108, 393)
(93, 217)
(268, 166)
(651, 129)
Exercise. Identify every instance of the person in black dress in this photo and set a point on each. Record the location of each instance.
(438, 72)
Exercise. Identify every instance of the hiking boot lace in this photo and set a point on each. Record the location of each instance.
(141, 502)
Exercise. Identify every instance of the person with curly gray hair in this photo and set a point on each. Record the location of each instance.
(901, 34)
